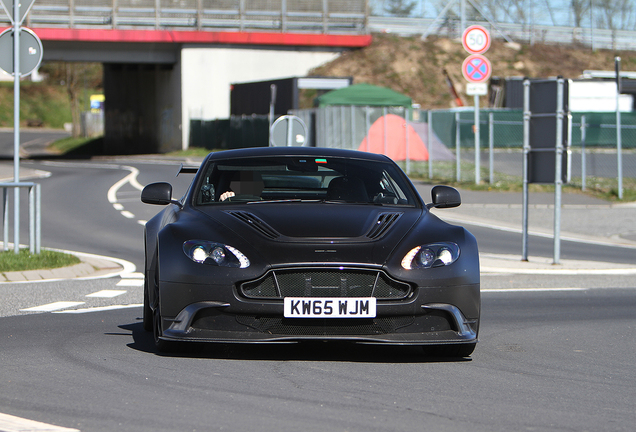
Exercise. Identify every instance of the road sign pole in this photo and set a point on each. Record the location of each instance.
(16, 124)
(477, 143)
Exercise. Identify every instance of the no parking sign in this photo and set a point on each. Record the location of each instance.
(476, 68)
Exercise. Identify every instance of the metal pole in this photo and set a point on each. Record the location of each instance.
(407, 143)
(5, 220)
(38, 218)
(367, 121)
(32, 219)
(16, 123)
(619, 137)
(352, 115)
(384, 114)
(457, 148)
(583, 158)
(491, 146)
(272, 105)
(462, 16)
(477, 143)
(526, 153)
(290, 126)
(342, 127)
(430, 143)
(558, 180)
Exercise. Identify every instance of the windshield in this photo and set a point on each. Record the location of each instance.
(334, 180)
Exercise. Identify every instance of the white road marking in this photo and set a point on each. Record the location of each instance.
(559, 271)
(531, 289)
(98, 309)
(9, 423)
(130, 178)
(127, 214)
(118, 206)
(133, 275)
(130, 283)
(107, 293)
(52, 306)
(142, 222)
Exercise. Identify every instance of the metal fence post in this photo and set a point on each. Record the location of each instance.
(5, 216)
(367, 120)
(32, 219)
(384, 114)
(430, 143)
(458, 168)
(38, 218)
(491, 145)
(558, 175)
(352, 111)
(583, 159)
(342, 127)
(526, 152)
(406, 127)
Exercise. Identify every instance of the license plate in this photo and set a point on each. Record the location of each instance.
(324, 307)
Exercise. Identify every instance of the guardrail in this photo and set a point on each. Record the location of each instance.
(322, 16)
(592, 37)
(35, 215)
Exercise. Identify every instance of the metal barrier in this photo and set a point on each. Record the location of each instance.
(321, 16)
(449, 139)
(35, 215)
(595, 38)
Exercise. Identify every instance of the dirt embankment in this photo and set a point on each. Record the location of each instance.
(415, 67)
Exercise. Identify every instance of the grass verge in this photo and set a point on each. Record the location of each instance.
(24, 260)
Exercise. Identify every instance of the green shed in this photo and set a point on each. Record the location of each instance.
(364, 95)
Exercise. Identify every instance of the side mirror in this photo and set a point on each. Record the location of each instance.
(157, 193)
(445, 197)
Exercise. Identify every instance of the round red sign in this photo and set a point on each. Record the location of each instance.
(476, 39)
(476, 68)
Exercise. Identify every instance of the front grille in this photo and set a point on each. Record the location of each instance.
(325, 327)
(329, 282)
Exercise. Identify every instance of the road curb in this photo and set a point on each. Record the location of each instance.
(91, 267)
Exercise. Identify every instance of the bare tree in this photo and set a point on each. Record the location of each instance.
(614, 14)
(400, 8)
(580, 10)
(515, 11)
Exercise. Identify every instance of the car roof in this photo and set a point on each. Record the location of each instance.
(296, 151)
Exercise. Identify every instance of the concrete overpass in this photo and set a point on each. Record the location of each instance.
(165, 64)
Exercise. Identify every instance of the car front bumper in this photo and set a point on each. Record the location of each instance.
(431, 315)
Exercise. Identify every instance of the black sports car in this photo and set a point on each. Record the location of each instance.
(285, 244)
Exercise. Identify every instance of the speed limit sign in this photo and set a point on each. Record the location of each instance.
(476, 39)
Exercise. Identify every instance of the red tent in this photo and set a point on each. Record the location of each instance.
(396, 139)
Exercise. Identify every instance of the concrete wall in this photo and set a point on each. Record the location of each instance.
(208, 72)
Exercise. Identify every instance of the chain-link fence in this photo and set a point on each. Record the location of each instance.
(440, 144)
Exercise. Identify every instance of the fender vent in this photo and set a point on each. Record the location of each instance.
(383, 224)
(255, 223)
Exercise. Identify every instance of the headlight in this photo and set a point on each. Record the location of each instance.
(431, 255)
(207, 252)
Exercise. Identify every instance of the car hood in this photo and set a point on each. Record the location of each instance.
(310, 232)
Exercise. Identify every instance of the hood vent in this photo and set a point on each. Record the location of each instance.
(383, 224)
(255, 223)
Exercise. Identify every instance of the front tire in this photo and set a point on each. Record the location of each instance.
(157, 331)
(148, 320)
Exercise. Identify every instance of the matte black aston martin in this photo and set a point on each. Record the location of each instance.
(285, 244)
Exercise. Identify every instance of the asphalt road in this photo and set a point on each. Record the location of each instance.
(30, 140)
(558, 357)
